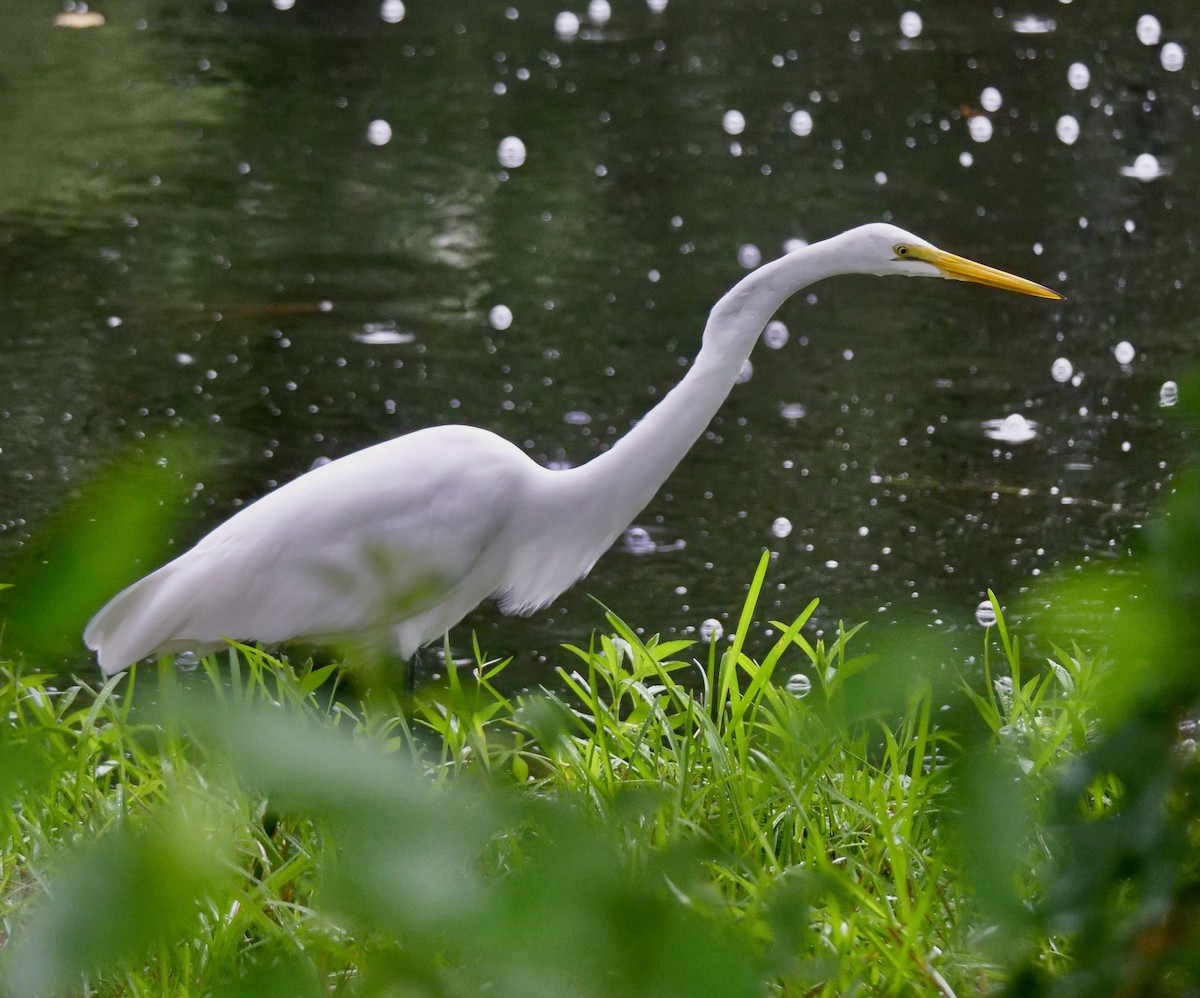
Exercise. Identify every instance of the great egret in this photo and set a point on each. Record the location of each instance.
(397, 542)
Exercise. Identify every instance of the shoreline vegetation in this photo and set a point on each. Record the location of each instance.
(673, 819)
(681, 820)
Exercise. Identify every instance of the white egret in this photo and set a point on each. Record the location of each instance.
(396, 543)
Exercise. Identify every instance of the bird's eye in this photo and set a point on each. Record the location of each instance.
(901, 250)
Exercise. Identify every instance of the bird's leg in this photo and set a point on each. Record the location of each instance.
(411, 667)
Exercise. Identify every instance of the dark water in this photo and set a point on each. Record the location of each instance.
(289, 229)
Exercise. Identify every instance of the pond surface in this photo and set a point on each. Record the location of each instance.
(298, 228)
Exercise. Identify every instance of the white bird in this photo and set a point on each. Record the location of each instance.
(396, 543)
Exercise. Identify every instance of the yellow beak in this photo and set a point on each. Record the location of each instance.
(961, 269)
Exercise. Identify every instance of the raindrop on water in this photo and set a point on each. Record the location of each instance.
(1172, 57)
(656, 6)
(1149, 30)
(990, 99)
(711, 630)
(734, 122)
(792, 410)
(798, 685)
(379, 132)
(566, 24)
(511, 152)
(599, 11)
(775, 335)
(910, 24)
(965, 159)
(749, 256)
(577, 417)
(283, 4)
(1168, 395)
(1034, 25)
(1078, 76)
(500, 317)
(1145, 168)
(186, 661)
(985, 614)
(1061, 370)
(801, 123)
(746, 373)
(980, 128)
(378, 334)
(392, 11)
(1067, 129)
(781, 527)
(1012, 429)
(1124, 352)
(637, 540)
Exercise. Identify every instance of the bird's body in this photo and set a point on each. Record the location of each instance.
(399, 541)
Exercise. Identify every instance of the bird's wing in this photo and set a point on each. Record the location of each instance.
(352, 547)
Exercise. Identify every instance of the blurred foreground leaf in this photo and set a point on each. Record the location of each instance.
(113, 898)
(113, 530)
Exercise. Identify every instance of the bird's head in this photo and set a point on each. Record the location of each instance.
(887, 250)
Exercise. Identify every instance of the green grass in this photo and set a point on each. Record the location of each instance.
(674, 822)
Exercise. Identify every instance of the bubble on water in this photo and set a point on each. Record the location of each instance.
(801, 122)
(792, 410)
(566, 24)
(392, 11)
(798, 685)
(1124, 352)
(990, 99)
(965, 158)
(985, 614)
(734, 122)
(1012, 429)
(791, 245)
(746, 373)
(775, 335)
(1061, 370)
(599, 11)
(500, 317)
(1067, 129)
(1145, 168)
(1168, 394)
(711, 630)
(577, 417)
(1172, 57)
(1149, 29)
(379, 132)
(283, 4)
(781, 527)
(1078, 76)
(749, 256)
(637, 540)
(910, 24)
(656, 6)
(980, 128)
(511, 152)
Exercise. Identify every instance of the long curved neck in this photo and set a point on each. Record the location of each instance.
(615, 486)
